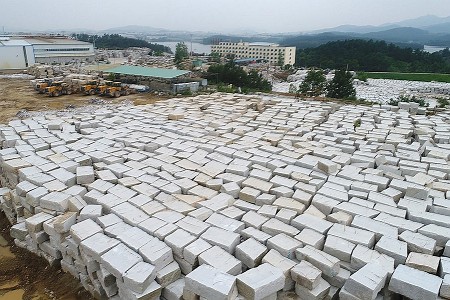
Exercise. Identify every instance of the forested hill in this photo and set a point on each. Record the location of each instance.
(375, 56)
(116, 41)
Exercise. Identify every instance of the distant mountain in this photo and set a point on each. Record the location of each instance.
(355, 29)
(439, 28)
(430, 23)
(423, 21)
(402, 34)
(134, 29)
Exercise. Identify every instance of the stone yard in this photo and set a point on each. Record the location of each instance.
(235, 197)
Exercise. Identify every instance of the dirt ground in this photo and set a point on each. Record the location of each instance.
(24, 275)
(18, 94)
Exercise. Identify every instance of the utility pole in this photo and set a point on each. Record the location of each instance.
(191, 45)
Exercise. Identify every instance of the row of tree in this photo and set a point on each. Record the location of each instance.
(340, 87)
(375, 56)
(116, 41)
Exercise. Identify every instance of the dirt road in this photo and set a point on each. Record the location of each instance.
(18, 94)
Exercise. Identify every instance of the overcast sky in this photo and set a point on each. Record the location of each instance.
(212, 15)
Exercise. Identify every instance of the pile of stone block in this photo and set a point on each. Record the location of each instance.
(235, 197)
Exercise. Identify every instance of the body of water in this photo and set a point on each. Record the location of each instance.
(196, 47)
(432, 49)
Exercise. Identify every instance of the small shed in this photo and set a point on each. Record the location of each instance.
(155, 78)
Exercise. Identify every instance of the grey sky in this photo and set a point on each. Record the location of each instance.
(212, 15)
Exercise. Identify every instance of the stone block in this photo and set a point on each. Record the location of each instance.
(139, 277)
(118, 267)
(258, 235)
(192, 225)
(274, 227)
(339, 248)
(97, 245)
(260, 282)
(319, 292)
(225, 239)
(35, 223)
(85, 175)
(226, 223)
(194, 249)
(284, 244)
(362, 255)
(325, 262)
(367, 282)
(250, 252)
(211, 283)
(417, 242)
(414, 284)
(279, 261)
(354, 235)
(444, 291)
(178, 240)
(168, 274)
(423, 262)
(220, 259)
(254, 219)
(378, 228)
(394, 248)
(56, 201)
(308, 221)
(312, 238)
(82, 230)
(306, 275)
(156, 253)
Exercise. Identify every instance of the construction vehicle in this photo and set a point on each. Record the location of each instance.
(101, 88)
(117, 90)
(58, 88)
(42, 84)
(90, 88)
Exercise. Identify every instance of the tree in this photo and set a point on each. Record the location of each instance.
(181, 52)
(229, 73)
(314, 83)
(341, 86)
(280, 60)
(215, 57)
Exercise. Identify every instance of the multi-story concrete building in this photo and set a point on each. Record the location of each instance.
(20, 52)
(273, 53)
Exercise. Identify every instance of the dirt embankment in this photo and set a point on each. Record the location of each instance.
(24, 275)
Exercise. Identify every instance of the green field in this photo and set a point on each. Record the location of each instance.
(409, 76)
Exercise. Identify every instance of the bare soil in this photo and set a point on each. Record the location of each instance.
(18, 94)
(24, 275)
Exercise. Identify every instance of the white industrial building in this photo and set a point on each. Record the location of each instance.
(21, 52)
(273, 53)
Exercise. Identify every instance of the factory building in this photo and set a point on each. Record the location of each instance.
(24, 51)
(272, 53)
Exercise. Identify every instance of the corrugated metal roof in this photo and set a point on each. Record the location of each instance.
(147, 72)
(15, 43)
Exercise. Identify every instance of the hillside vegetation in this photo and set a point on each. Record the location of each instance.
(374, 56)
(116, 41)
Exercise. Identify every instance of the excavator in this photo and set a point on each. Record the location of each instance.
(58, 88)
(90, 88)
(117, 90)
